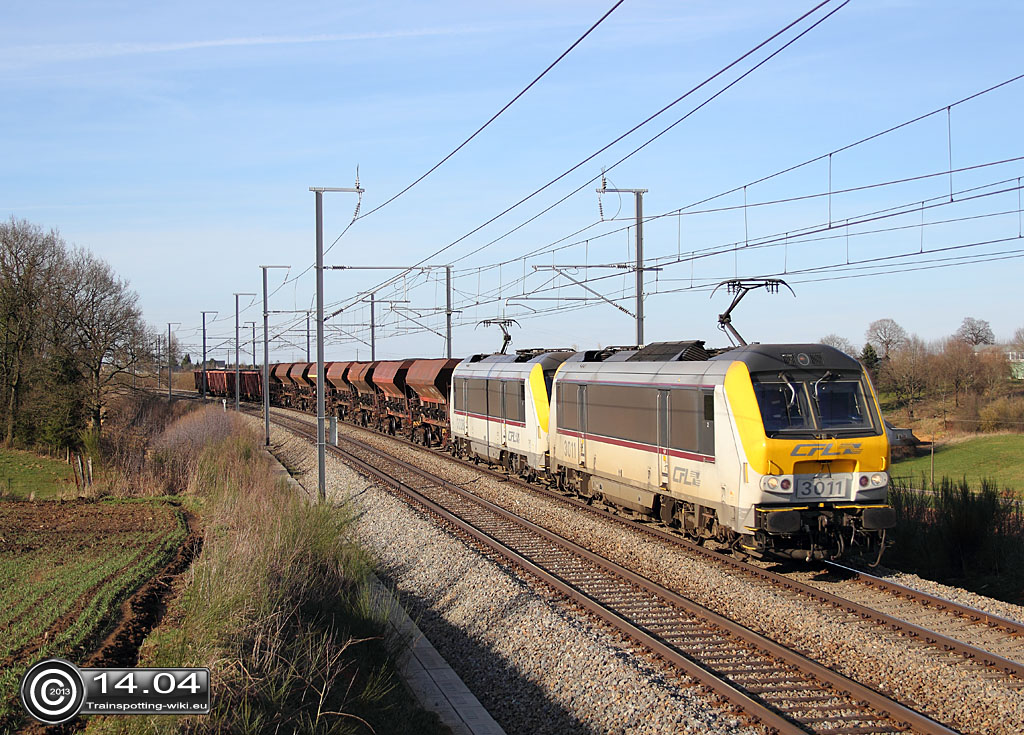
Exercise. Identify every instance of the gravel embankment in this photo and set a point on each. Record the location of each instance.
(957, 594)
(536, 663)
(949, 688)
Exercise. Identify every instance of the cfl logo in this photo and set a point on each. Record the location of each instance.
(52, 691)
(824, 450)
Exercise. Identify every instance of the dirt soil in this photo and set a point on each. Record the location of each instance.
(75, 528)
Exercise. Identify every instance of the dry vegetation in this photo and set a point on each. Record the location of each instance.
(277, 605)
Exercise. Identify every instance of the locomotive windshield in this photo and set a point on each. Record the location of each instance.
(823, 402)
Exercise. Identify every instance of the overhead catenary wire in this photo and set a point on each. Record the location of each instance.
(795, 237)
(496, 115)
(638, 126)
(681, 210)
(356, 216)
(485, 298)
(754, 241)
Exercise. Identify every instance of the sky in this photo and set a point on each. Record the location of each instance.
(179, 141)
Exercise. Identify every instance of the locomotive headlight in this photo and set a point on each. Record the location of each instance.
(774, 484)
(878, 479)
(864, 481)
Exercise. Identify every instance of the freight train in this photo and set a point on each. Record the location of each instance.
(776, 450)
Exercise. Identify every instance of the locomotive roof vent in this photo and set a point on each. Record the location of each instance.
(528, 353)
(612, 353)
(671, 352)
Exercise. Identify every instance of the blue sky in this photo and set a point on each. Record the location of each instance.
(179, 140)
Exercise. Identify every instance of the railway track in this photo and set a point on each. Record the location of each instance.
(948, 626)
(779, 687)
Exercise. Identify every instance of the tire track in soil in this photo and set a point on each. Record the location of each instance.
(139, 615)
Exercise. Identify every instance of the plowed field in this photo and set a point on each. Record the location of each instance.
(65, 569)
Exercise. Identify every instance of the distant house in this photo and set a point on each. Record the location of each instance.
(216, 364)
(1016, 358)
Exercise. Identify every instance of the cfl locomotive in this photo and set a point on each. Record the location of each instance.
(776, 450)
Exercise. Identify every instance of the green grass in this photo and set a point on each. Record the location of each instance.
(999, 458)
(64, 571)
(24, 473)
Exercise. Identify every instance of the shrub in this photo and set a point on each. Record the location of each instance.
(1003, 413)
(957, 531)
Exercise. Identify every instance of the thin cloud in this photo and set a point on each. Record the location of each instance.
(24, 56)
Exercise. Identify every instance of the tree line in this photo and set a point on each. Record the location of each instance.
(69, 329)
(966, 373)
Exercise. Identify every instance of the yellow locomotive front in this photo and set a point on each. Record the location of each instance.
(816, 453)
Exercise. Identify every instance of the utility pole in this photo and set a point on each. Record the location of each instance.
(253, 344)
(373, 330)
(448, 308)
(204, 350)
(321, 443)
(639, 194)
(237, 371)
(170, 359)
(266, 358)
(307, 338)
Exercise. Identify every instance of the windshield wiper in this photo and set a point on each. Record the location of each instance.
(829, 375)
(792, 389)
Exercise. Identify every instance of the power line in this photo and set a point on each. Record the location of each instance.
(848, 146)
(653, 138)
(778, 239)
(636, 127)
(497, 114)
(680, 211)
(356, 216)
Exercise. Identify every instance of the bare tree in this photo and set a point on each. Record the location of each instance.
(30, 262)
(840, 343)
(993, 374)
(105, 325)
(975, 332)
(886, 335)
(957, 367)
(1018, 339)
(906, 372)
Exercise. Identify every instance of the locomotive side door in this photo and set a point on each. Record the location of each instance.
(581, 403)
(504, 412)
(663, 443)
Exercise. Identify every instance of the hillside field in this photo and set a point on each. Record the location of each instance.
(997, 457)
(25, 473)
